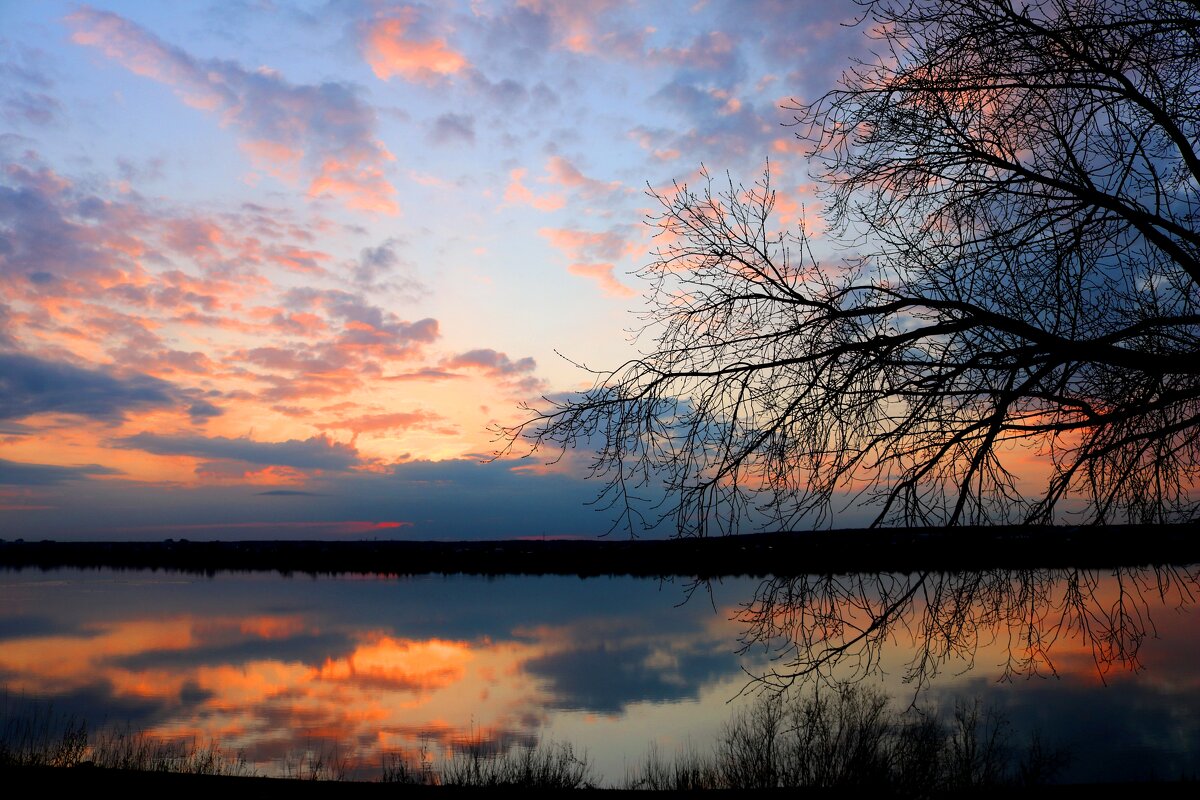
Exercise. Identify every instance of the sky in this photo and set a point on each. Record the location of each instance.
(275, 270)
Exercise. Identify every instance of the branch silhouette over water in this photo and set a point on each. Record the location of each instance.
(840, 629)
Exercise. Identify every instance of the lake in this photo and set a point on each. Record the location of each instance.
(1100, 663)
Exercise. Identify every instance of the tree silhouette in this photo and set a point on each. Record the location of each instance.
(1018, 185)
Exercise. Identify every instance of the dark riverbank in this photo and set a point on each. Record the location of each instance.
(90, 781)
(889, 550)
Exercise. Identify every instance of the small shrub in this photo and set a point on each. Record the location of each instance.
(538, 766)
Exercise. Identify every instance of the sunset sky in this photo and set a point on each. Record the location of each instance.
(273, 269)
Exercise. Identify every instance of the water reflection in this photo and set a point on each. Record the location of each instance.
(1028, 622)
(272, 665)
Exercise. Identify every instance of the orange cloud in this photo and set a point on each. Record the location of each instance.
(390, 50)
(401, 664)
(384, 422)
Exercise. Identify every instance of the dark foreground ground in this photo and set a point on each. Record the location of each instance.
(98, 782)
(781, 554)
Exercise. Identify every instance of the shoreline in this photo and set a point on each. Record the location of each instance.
(761, 554)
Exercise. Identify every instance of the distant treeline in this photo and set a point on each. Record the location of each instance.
(794, 553)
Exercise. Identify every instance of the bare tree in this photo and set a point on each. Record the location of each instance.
(1019, 184)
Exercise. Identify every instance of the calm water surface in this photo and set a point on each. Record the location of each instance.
(1104, 663)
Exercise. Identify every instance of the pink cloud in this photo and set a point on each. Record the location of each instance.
(651, 139)
(602, 274)
(591, 245)
(298, 259)
(564, 173)
(577, 27)
(358, 181)
(593, 255)
(391, 49)
(517, 193)
(323, 131)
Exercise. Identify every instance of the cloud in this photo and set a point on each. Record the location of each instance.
(451, 128)
(517, 193)
(656, 140)
(714, 52)
(50, 231)
(15, 473)
(24, 87)
(491, 362)
(505, 95)
(723, 126)
(602, 273)
(579, 244)
(430, 374)
(30, 385)
(392, 47)
(517, 375)
(318, 452)
(365, 328)
(564, 173)
(385, 422)
(382, 265)
(451, 499)
(322, 130)
(34, 108)
(594, 254)
(577, 27)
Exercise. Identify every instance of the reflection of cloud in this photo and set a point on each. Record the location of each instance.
(607, 678)
(24, 626)
(401, 664)
(93, 703)
(310, 649)
(325, 129)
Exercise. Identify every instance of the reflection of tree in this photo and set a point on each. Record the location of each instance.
(839, 627)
